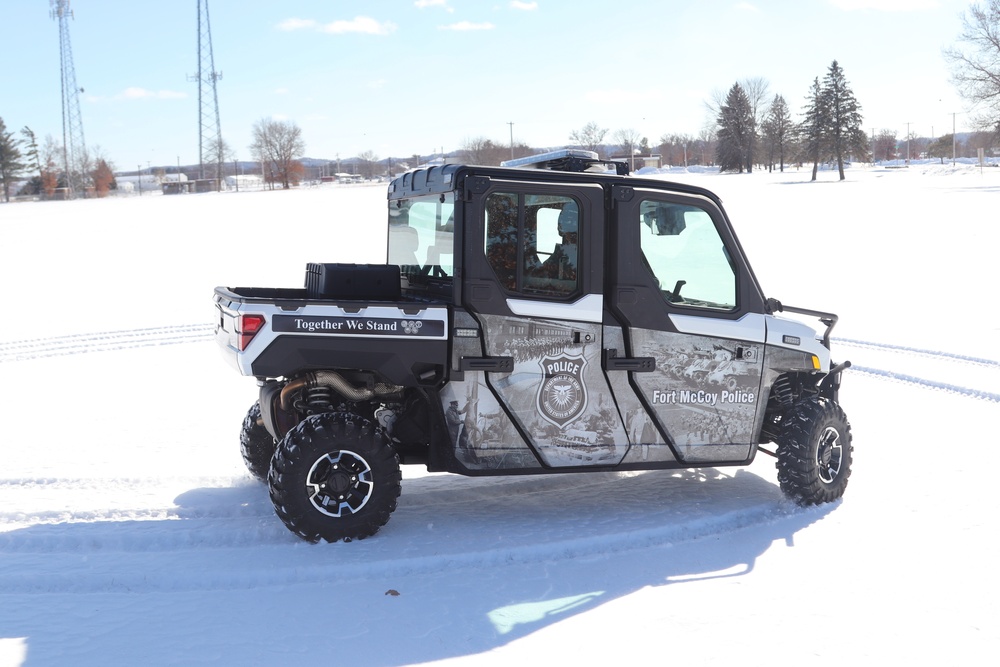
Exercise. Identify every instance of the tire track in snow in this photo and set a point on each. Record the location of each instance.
(103, 341)
(977, 361)
(940, 362)
(930, 384)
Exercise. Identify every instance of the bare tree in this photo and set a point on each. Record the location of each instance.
(220, 149)
(483, 151)
(628, 139)
(885, 145)
(368, 160)
(589, 137)
(976, 68)
(676, 149)
(757, 91)
(278, 145)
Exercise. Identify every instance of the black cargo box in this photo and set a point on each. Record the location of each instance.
(359, 282)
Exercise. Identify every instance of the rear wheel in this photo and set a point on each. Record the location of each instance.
(334, 477)
(256, 444)
(815, 452)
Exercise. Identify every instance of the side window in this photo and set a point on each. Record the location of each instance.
(683, 250)
(501, 238)
(532, 243)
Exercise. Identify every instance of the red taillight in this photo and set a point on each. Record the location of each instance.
(249, 325)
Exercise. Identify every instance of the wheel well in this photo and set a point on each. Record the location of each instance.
(786, 390)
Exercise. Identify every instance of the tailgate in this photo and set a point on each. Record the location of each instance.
(247, 325)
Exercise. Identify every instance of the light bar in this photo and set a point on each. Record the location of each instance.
(542, 158)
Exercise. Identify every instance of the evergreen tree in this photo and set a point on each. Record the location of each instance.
(32, 162)
(777, 131)
(31, 149)
(736, 132)
(843, 118)
(812, 129)
(10, 159)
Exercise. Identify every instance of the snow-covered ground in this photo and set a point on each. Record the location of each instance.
(130, 533)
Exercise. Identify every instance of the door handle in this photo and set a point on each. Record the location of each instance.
(612, 362)
(487, 364)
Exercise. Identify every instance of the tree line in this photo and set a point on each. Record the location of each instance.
(21, 154)
(750, 132)
(747, 128)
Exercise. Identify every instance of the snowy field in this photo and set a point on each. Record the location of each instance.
(130, 533)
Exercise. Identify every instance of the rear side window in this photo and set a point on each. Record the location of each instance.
(532, 243)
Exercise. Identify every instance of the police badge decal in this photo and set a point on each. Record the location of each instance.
(562, 395)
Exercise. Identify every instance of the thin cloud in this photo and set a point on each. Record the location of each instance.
(747, 7)
(424, 4)
(464, 26)
(364, 25)
(296, 24)
(524, 6)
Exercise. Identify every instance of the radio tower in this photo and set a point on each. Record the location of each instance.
(209, 127)
(74, 149)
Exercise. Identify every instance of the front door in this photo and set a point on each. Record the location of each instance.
(687, 303)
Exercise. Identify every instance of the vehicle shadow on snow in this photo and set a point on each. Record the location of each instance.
(465, 565)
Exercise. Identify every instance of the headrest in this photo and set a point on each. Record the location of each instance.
(569, 219)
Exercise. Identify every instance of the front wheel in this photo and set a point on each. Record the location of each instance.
(815, 452)
(334, 477)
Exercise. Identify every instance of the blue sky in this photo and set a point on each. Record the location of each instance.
(414, 76)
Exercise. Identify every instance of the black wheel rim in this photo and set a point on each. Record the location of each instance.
(829, 455)
(340, 483)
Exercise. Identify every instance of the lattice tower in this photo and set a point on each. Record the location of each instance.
(209, 128)
(74, 148)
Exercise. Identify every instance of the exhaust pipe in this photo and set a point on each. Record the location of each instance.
(336, 382)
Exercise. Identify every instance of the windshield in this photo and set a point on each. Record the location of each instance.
(422, 235)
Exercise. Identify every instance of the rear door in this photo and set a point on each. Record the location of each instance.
(534, 283)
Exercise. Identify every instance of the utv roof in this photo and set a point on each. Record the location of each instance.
(562, 166)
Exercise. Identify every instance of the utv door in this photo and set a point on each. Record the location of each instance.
(533, 282)
(690, 310)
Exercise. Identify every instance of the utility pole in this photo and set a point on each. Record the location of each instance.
(511, 140)
(907, 144)
(953, 138)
